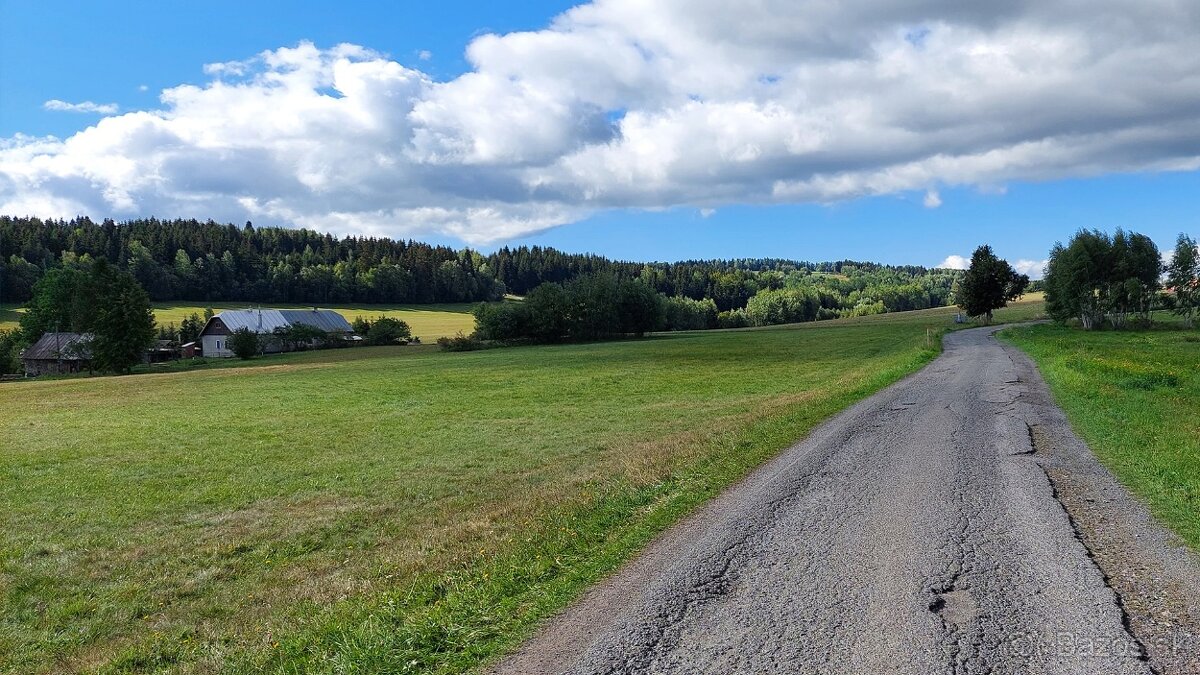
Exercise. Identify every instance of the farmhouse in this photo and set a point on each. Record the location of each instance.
(214, 339)
(58, 354)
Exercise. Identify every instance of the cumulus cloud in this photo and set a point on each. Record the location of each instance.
(1032, 268)
(1035, 269)
(628, 104)
(81, 107)
(424, 55)
(707, 213)
(932, 199)
(954, 262)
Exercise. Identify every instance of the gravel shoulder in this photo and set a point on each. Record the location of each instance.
(951, 523)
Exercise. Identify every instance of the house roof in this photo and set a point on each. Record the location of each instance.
(55, 346)
(268, 320)
(325, 319)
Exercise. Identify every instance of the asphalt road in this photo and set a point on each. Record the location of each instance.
(916, 532)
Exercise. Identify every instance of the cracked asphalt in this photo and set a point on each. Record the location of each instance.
(916, 532)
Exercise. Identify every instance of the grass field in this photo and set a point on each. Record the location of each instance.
(1134, 396)
(386, 509)
(428, 322)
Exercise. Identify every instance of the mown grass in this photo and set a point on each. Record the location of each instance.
(385, 510)
(1134, 397)
(428, 322)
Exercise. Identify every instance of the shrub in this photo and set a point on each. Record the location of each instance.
(504, 321)
(461, 343)
(244, 343)
(733, 319)
(299, 337)
(11, 343)
(388, 331)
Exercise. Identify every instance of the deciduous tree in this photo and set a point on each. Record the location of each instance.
(1183, 277)
(989, 284)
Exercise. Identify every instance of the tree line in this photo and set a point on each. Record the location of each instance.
(193, 260)
(207, 261)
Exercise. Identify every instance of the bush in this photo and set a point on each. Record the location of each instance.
(733, 319)
(244, 343)
(298, 337)
(461, 343)
(11, 343)
(504, 322)
(388, 331)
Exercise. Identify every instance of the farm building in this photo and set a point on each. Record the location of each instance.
(57, 354)
(268, 322)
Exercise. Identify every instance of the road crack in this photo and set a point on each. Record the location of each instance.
(1143, 653)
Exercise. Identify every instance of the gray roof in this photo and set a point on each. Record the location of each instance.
(268, 320)
(325, 319)
(55, 346)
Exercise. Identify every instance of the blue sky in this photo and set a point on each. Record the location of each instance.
(609, 153)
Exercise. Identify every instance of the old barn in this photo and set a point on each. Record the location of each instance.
(58, 354)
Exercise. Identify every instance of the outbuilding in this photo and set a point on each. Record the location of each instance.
(58, 354)
(214, 338)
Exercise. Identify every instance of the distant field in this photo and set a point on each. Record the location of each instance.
(386, 509)
(1134, 396)
(9, 316)
(428, 322)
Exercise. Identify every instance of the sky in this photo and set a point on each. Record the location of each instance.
(903, 132)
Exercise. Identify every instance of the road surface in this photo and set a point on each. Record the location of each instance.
(920, 531)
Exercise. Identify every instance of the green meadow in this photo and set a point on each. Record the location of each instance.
(386, 509)
(428, 322)
(1134, 396)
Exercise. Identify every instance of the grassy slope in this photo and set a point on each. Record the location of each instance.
(388, 509)
(1134, 397)
(428, 322)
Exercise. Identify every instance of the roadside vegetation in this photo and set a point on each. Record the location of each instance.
(387, 509)
(1123, 361)
(1133, 396)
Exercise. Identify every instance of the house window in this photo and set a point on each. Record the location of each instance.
(218, 345)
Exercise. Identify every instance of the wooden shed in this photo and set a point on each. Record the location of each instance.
(58, 354)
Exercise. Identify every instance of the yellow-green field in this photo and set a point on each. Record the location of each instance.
(428, 322)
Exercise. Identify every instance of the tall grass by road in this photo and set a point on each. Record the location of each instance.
(385, 509)
(1134, 397)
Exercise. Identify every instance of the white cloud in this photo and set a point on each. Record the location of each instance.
(954, 262)
(707, 213)
(143, 87)
(424, 55)
(81, 107)
(628, 104)
(932, 199)
(1035, 269)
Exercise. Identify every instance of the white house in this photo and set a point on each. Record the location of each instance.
(215, 336)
